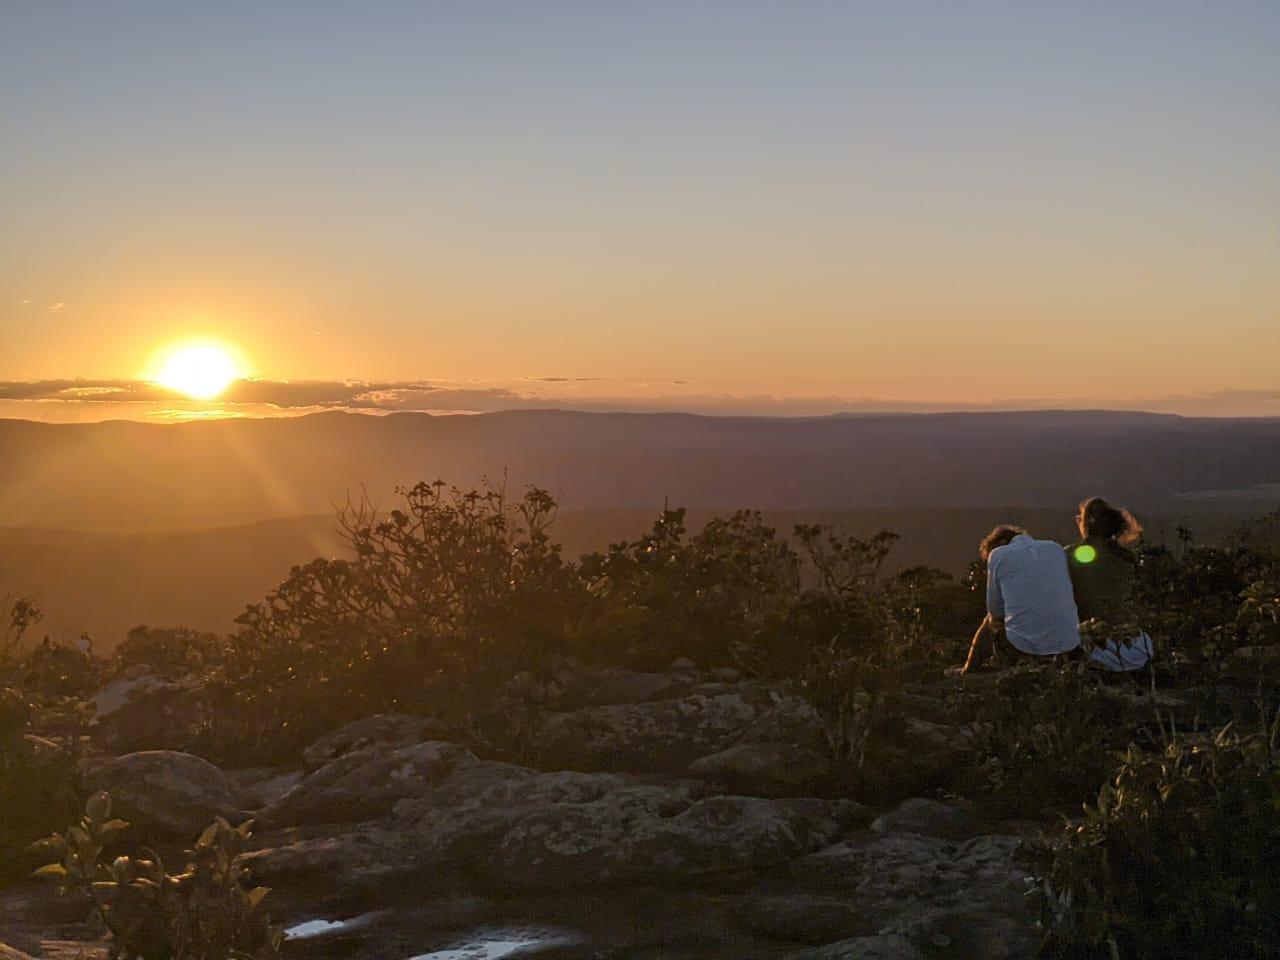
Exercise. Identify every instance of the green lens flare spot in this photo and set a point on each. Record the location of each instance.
(1086, 554)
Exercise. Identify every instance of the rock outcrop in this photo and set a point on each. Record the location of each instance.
(767, 769)
(168, 791)
(392, 729)
(367, 783)
(698, 800)
(666, 735)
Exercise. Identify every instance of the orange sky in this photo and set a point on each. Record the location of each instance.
(988, 208)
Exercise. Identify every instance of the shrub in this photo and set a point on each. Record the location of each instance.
(446, 595)
(37, 774)
(170, 652)
(713, 597)
(1044, 737)
(17, 617)
(207, 912)
(1179, 857)
(37, 780)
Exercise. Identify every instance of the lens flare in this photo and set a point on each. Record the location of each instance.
(1085, 554)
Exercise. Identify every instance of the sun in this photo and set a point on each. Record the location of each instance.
(201, 371)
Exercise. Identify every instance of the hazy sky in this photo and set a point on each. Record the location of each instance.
(911, 202)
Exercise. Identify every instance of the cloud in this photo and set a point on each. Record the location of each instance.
(267, 397)
(57, 307)
(566, 379)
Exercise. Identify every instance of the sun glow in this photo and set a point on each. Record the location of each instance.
(200, 370)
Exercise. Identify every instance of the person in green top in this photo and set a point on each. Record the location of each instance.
(1103, 570)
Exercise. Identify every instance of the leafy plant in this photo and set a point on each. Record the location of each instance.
(37, 780)
(713, 596)
(206, 912)
(18, 616)
(1044, 737)
(170, 651)
(444, 596)
(1179, 857)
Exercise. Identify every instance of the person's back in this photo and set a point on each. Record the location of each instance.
(1103, 572)
(1029, 588)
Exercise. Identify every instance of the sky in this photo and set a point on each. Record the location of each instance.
(790, 208)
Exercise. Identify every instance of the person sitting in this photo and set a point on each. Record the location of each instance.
(1029, 597)
(1103, 571)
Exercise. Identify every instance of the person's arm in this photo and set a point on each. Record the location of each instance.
(995, 600)
(985, 631)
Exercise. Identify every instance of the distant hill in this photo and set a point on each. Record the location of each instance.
(126, 476)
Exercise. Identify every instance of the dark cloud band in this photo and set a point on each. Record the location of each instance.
(422, 395)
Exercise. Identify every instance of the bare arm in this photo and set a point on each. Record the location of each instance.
(985, 632)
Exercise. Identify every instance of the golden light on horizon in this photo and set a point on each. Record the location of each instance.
(201, 370)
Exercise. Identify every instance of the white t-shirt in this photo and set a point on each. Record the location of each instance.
(1029, 588)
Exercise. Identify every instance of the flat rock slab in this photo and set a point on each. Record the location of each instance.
(863, 948)
(665, 736)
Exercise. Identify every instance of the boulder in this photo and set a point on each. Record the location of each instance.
(463, 822)
(893, 772)
(353, 860)
(169, 791)
(623, 838)
(9, 953)
(395, 729)
(614, 685)
(142, 711)
(367, 783)
(790, 720)
(114, 695)
(970, 895)
(800, 917)
(862, 948)
(766, 769)
(661, 736)
(265, 785)
(929, 817)
(527, 830)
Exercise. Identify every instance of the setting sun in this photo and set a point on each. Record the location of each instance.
(202, 371)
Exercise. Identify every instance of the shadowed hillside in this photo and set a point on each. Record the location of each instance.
(133, 476)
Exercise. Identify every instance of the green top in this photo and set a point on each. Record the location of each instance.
(1102, 575)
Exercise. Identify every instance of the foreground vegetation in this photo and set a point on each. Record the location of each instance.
(1160, 799)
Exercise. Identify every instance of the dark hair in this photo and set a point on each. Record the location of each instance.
(998, 537)
(1100, 519)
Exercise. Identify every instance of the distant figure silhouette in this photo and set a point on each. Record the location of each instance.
(1029, 597)
(1102, 571)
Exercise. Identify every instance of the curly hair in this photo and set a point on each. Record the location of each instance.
(1100, 519)
(998, 537)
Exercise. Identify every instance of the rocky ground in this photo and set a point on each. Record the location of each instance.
(674, 814)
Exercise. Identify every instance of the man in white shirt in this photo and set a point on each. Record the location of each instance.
(1029, 596)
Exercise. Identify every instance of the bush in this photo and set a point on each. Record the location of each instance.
(444, 597)
(37, 775)
(170, 652)
(17, 617)
(207, 912)
(1179, 857)
(1044, 737)
(37, 788)
(714, 597)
